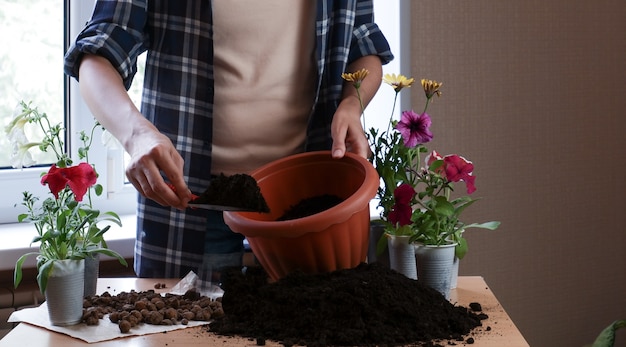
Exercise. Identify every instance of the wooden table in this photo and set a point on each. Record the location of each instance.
(498, 330)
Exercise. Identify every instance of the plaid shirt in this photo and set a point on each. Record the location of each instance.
(178, 96)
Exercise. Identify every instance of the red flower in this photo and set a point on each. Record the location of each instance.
(79, 178)
(400, 214)
(401, 211)
(459, 169)
(404, 193)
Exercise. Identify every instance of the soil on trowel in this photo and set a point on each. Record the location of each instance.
(369, 305)
(238, 190)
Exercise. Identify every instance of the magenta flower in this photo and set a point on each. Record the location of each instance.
(459, 169)
(414, 128)
(79, 178)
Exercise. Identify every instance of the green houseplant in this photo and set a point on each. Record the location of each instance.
(66, 222)
(417, 197)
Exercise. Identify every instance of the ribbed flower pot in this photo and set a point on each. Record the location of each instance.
(336, 238)
(402, 255)
(434, 266)
(92, 271)
(64, 293)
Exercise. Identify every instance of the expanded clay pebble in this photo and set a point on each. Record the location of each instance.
(129, 309)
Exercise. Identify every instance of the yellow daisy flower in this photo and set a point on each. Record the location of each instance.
(355, 77)
(431, 88)
(398, 81)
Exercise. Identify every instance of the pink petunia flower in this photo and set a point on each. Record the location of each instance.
(459, 169)
(414, 128)
(431, 158)
(79, 178)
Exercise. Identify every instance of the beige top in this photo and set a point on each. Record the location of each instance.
(264, 81)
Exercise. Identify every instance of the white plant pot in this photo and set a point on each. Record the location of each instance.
(377, 230)
(434, 265)
(454, 276)
(64, 292)
(402, 255)
(92, 271)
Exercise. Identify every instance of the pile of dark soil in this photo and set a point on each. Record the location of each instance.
(310, 206)
(239, 190)
(369, 305)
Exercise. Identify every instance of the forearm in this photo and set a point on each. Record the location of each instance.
(346, 130)
(369, 85)
(103, 90)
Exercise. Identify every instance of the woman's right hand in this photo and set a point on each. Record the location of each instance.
(153, 157)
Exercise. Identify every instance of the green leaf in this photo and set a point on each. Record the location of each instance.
(487, 225)
(381, 245)
(461, 248)
(443, 206)
(17, 274)
(21, 217)
(43, 274)
(61, 220)
(111, 217)
(607, 336)
(98, 189)
(110, 253)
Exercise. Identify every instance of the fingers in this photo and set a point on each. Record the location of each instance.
(146, 172)
(349, 136)
(339, 144)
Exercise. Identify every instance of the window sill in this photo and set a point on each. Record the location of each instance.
(16, 238)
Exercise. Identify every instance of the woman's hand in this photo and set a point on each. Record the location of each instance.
(152, 156)
(347, 130)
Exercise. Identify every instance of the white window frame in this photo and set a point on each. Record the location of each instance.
(118, 197)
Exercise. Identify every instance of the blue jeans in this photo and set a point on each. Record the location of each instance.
(222, 248)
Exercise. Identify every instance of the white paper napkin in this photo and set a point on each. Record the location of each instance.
(106, 330)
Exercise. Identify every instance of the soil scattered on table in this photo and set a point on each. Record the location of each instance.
(369, 305)
(310, 206)
(238, 190)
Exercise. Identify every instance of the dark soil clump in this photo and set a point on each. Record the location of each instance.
(239, 190)
(310, 206)
(369, 305)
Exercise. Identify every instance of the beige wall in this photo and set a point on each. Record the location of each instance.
(535, 95)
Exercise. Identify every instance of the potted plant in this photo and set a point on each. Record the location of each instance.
(66, 222)
(416, 200)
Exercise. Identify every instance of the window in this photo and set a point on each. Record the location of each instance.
(31, 60)
(392, 18)
(27, 56)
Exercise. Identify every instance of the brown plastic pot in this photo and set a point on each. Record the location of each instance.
(336, 238)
